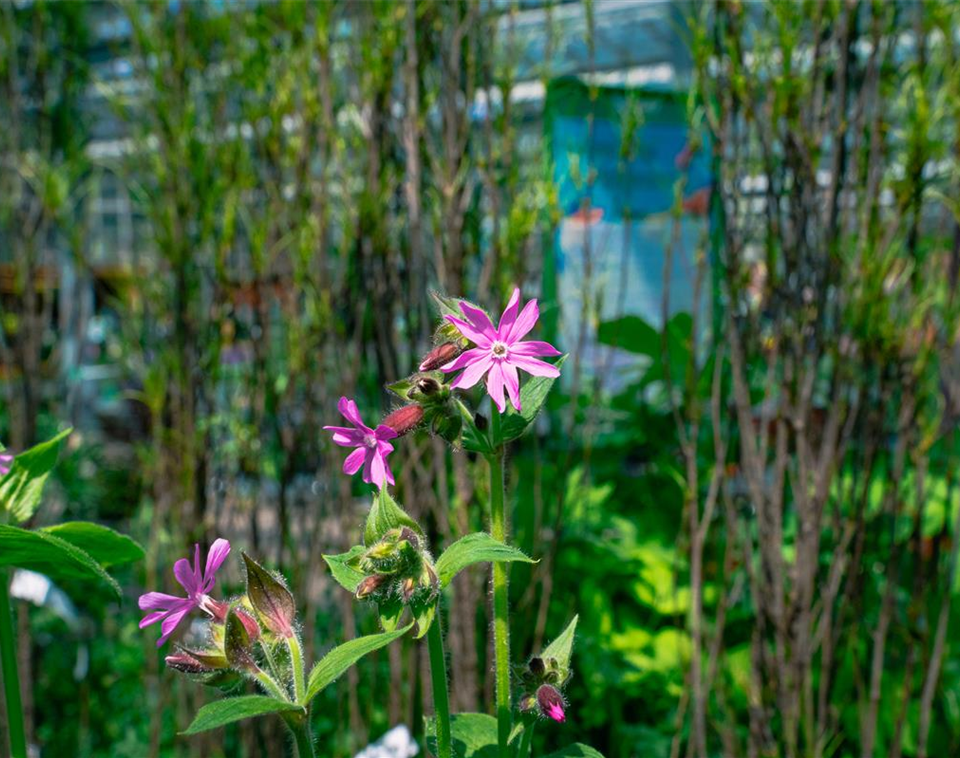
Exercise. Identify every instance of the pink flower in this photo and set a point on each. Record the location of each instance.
(550, 702)
(6, 460)
(170, 609)
(500, 352)
(371, 445)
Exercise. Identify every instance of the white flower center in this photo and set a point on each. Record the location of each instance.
(499, 349)
(369, 441)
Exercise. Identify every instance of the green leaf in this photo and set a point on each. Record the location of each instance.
(390, 611)
(342, 657)
(561, 649)
(472, 438)
(474, 735)
(423, 614)
(231, 709)
(631, 333)
(104, 545)
(50, 555)
(343, 572)
(385, 515)
(533, 395)
(474, 548)
(20, 490)
(270, 598)
(576, 750)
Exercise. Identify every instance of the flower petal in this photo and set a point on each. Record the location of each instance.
(525, 322)
(472, 374)
(495, 386)
(354, 461)
(534, 366)
(533, 347)
(384, 432)
(218, 553)
(389, 473)
(464, 360)
(158, 601)
(471, 333)
(509, 314)
(378, 473)
(512, 382)
(348, 409)
(171, 622)
(153, 618)
(186, 576)
(479, 319)
(345, 436)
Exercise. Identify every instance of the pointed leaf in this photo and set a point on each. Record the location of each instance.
(533, 394)
(423, 614)
(342, 569)
(474, 548)
(270, 598)
(20, 490)
(342, 657)
(472, 438)
(561, 649)
(104, 545)
(385, 515)
(50, 555)
(236, 643)
(232, 709)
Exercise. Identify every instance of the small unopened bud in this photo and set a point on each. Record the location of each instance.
(404, 419)
(550, 702)
(370, 585)
(537, 668)
(270, 598)
(426, 385)
(528, 703)
(237, 644)
(185, 663)
(440, 356)
(406, 533)
(407, 588)
(249, 623)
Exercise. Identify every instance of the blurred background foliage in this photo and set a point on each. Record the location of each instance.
(216, 218)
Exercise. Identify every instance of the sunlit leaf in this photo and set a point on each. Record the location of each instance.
(232, 709)
(21, 489)
(475, 548)
(104, 545)
(533, 394)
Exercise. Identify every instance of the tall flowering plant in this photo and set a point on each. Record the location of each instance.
(75, 554)
(394, 567)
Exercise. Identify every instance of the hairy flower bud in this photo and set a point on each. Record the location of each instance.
(537, 667)
(440, 355)
(407, 587)
(371, 584)
(237, 644)
(185, 663)
(249, 623)
(405, 419)
(550, 703)
(270, 598)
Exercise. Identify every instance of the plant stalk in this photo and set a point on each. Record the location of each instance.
(296, 663)
(303, 737)
(526, 740)
(8, 663)
(501, 607)
(438, 679)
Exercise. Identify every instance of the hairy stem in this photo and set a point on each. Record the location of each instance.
(8, 662)
(438, 679)
(270, 684)
(303, 738)
(296, 663)
(501, 610)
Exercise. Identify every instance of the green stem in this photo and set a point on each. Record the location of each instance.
(438, 678)
(526, 739)
(501, 607)
(8, 662)
(303, 738)
(296, 663)
(270, 684)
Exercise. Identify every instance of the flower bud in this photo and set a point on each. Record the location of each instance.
(185, 663)
(528, 703)
(440, 356)
(237, 644)
(428, 389)
(405, 419)
(406, 533)
(370, 585)
(537, 668)
(270, 598)
(550, 703)
(249, 623)
(407, 587)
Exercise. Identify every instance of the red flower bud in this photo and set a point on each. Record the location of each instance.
(270, 598)
(370, 585)
(440, 356)
(185, 663)
(551, 703)
(249, 623)
(404, 419)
